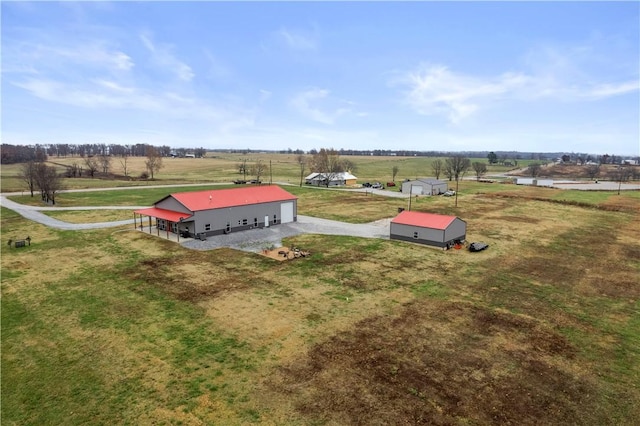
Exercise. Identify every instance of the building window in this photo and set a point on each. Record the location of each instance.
(245, 221)
(275, 219)
(228, 226)
(255, 221)
(415, 235)
(207, 227)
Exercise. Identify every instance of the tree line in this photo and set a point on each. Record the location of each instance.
(12, 154)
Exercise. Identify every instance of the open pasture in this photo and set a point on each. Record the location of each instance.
(223, 167)
(116, 326)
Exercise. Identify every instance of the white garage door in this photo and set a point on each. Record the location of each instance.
(286, 212)
(416, 190)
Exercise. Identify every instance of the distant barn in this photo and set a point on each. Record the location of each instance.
(428, 228)
(424, 186)
(332, 179)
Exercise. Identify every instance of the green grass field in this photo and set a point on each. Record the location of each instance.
(117, 326)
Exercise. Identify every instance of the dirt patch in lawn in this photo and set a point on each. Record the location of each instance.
(285, 253)
(438, 362)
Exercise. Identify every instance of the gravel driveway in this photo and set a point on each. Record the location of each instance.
(256, 240)
(253, 240)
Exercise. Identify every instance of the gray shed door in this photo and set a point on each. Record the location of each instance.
(286, 212)
(416, 190)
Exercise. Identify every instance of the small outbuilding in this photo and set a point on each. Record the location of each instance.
(333, 179)
(428, 228)
(424, 186)
(213, 212)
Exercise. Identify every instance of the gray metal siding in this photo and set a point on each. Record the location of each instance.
(254, 215)
(434, 237)
(457, 230)
(407, 231)
(428, 188)
(171, 203)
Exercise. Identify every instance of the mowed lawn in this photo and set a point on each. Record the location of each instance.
(116, 326)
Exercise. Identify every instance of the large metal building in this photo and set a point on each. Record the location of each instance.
(424, 186)
(213, 212)
(428, 228)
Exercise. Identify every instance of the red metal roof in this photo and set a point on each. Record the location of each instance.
(221, 198)
(424, 220)
(169, 215)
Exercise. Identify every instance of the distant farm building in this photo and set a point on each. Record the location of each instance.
(428, 228)
(424, 186)
(333, 179)
(214, 212)
(534, 182)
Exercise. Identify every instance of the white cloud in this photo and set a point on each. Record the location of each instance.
(108, 94)
(302, 103)
(297, 40)
(265, 95)
(163, 56)
(436, 90)
(41, 56)
(607, 90)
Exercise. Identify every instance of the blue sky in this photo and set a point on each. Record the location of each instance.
(456, 76)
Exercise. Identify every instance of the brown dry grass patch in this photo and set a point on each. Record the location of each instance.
(440, 363)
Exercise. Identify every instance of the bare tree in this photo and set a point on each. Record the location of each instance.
(394, 172)
(48, 181)
(534, 169)
(124, 164)
(301, 159)
(328, 163)
(480, 168)
(105, 163)
(28, 175)
(436, 167)
(258, 169)
(621, 174)
(92, 165)
(456, 167)
(592, 170)
(153, 163)
(242, 168)
(349, 166)
(74, 170)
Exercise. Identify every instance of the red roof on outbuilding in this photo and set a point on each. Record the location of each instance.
(424, 220)
(221, 198)
(169, 215)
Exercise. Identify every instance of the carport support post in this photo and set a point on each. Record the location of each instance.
(135, 221)
(157, 228)
(149, 224)
(168, 226)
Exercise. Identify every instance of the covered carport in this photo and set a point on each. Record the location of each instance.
(166, 220)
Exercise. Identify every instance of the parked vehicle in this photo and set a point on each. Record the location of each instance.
(473, 247)
(391, 184)
(377, 185)
(255, 181)
(239, 182)
(366, 185)
(449, 193)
